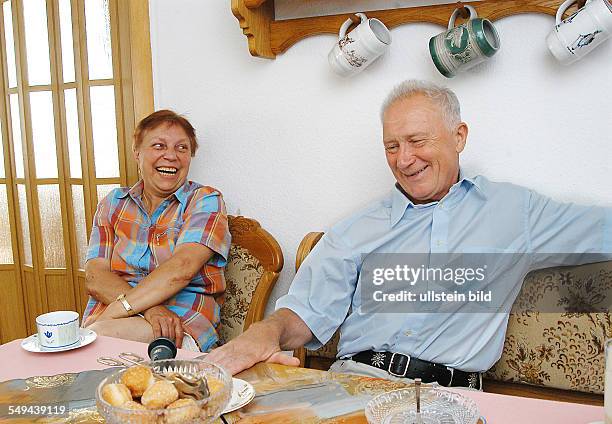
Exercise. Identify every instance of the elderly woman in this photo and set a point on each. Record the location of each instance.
(157, 249)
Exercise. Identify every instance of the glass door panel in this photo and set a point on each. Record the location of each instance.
(99, 51)
(65, 20)
(6, 249)
(51, 226)
(9, 44)
(103, 190)
(16, 129)
(37, 41)
(104, 128)
(25, 224)
(78, 208)
(43, 134)
(72, 132)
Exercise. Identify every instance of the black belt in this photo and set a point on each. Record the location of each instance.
(400, 365)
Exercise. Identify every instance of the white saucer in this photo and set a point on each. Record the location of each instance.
(242, 393)
(31, 343)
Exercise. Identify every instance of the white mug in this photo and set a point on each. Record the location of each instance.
(58, 329)
(580, 32)
(363, 45)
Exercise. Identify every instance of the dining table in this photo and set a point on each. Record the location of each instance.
(282, 394)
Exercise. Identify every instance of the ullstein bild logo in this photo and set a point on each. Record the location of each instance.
(432, 296)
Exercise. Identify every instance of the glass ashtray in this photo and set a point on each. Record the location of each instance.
(437, 407)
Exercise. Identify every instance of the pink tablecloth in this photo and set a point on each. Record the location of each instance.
(502, 409)
(15, 362)
(498, 409)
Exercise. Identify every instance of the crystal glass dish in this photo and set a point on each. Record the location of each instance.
(437, 407)
(209, 408)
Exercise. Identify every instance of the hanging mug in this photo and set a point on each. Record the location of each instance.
(359, 48)
(581, 32)
(460, 48)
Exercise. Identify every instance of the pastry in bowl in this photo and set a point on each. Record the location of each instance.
(165, 399)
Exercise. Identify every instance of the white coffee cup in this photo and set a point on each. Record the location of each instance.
(359, 48)
(58, 329)
(581, 32)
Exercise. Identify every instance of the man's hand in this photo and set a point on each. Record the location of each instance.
(165, 323)
(264, 341)
(255, 345)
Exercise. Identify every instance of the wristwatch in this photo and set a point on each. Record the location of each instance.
(128, 308)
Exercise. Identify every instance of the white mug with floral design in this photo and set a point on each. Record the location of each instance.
(359, 48)
(581, 32)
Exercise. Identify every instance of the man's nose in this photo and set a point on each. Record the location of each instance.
(406, 156)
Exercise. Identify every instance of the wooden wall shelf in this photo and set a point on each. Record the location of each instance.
(268, 37)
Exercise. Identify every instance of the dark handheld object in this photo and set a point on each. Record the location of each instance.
(162, 348)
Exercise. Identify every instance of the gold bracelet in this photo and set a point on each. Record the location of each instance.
(128, 308)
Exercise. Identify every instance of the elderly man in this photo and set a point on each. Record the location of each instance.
(433, 209)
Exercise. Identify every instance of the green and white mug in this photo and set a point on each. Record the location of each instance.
(465, 46)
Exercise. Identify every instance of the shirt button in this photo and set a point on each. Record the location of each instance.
(439, 242)
(408, 333)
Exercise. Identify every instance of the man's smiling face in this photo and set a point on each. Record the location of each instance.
(422, 151)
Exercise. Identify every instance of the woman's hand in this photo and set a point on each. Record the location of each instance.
(165, 323)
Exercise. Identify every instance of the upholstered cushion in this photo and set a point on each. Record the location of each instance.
(242, 273)
(561, 350)
(328, 350)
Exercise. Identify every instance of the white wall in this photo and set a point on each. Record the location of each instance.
(297, 148)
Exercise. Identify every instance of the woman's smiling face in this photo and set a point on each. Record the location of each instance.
(164, 157)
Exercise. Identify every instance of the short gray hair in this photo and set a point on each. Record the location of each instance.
(443, 96)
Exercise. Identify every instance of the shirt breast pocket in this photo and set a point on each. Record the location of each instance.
(167, 237)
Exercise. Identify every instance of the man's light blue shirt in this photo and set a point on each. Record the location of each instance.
(477, 215)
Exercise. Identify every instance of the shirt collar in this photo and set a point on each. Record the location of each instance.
(400, 202)
(135, 192)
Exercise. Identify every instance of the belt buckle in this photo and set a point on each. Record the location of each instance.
(403, 374)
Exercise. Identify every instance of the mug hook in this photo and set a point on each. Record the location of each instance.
(462, 11)
(345, 26)
(566, 5)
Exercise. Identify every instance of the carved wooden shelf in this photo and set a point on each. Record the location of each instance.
(268, 37)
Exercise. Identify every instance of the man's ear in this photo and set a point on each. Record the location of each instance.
(461, 133)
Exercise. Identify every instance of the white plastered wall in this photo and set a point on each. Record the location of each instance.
(297, 148)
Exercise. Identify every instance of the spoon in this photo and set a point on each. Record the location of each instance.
(417, 386)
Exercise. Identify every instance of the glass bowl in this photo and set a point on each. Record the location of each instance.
(437, 407)
(209, 409)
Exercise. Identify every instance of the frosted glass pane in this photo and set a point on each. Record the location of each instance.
(6, 249)
(16, 129)
(51, 226)
(72, 131)
(9, 44)
(2, 173)
(104, 128)
(37, 41)
(78, 207)
(43, 134)
(25, 224)
(65, 18)
(99, 53)
(103, 190)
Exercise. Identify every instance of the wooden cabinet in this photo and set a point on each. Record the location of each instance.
(268, 37)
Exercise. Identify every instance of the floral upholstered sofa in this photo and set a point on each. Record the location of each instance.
(561, 350)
